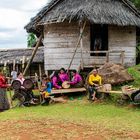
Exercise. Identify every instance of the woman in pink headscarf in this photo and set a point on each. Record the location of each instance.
(77, 80)
(63, 76)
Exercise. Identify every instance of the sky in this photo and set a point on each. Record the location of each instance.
(14, 15)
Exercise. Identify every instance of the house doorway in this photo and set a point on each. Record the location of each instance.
(99, 39)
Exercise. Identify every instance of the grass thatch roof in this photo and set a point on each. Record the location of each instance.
(10, 55)
(116, 12)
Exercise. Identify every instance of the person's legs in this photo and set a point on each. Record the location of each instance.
(90, 89)
(92, 93)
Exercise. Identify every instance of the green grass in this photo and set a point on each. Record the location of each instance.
(135, 72)
(104, 114)
(107, 115)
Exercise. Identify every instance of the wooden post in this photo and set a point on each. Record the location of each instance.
(107, 57)
(14, 64)
(77, 45)
(33, 54)
(122, 57)
(81, 45)
(23, 62)
(40, 72)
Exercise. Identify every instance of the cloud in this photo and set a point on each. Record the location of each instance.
(3, 29)
(15, 14)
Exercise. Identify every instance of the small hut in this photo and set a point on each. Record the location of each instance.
(18, 58)
(109, 34)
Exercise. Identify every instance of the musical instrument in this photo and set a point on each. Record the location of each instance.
(16, 84)
(66, 85)
(28, 84)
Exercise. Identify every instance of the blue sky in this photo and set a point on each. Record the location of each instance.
(14, 15)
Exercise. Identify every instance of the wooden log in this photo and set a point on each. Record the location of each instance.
(81, 45)
(71, 90)
(111, 92)
(77, 45)
(33, 54)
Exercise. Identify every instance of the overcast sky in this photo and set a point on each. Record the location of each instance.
(14, 15)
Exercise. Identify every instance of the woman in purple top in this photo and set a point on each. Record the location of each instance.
(77, 81)
(55, 81)
(63, 76)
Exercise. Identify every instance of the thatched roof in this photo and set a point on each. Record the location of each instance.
(116, 12)
(10, 55)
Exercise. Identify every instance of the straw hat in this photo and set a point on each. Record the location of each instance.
(65, 85)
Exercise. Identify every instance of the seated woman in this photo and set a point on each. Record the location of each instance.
(94, 82)
(63, 76)
(77, 81)
(55, 81)
(22, 94)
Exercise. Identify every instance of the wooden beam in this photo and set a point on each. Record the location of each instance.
(40, 72)
(33, 54)
(70, 90)
(107, 57)
(122, 57)
(80, 37)
(81, 45)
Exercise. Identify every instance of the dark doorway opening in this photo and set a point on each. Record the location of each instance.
(99, 39)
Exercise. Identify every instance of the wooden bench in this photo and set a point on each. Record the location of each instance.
(70, 90)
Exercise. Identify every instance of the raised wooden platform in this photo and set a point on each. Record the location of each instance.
(70, 90)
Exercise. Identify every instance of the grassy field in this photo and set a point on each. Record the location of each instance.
(76, 120)
(104, 117)
(135, 72)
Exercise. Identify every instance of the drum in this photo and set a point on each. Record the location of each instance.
(65, 85)
(28, 84)
(16, 84)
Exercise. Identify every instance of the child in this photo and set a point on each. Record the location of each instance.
(47, 90)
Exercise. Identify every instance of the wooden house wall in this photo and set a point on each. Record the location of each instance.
(123, 38)
(60, 42)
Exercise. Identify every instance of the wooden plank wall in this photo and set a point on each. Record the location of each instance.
(123, 38)
(60, 42)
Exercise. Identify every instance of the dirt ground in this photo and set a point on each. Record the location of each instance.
(49, 129)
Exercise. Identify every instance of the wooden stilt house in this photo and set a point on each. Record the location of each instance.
(103, 30)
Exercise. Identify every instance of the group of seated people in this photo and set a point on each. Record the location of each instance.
(94, 81)
(60, 77)
(56, 80)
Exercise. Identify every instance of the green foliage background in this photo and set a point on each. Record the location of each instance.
(137, 3)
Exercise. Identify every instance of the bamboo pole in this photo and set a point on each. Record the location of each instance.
(33, 54)
(81, 45)
(80, 37)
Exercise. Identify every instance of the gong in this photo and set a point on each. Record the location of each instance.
(28, 84)
(16, 84)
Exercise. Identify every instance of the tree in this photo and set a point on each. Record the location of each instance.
(137, 3)
(31, 40)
